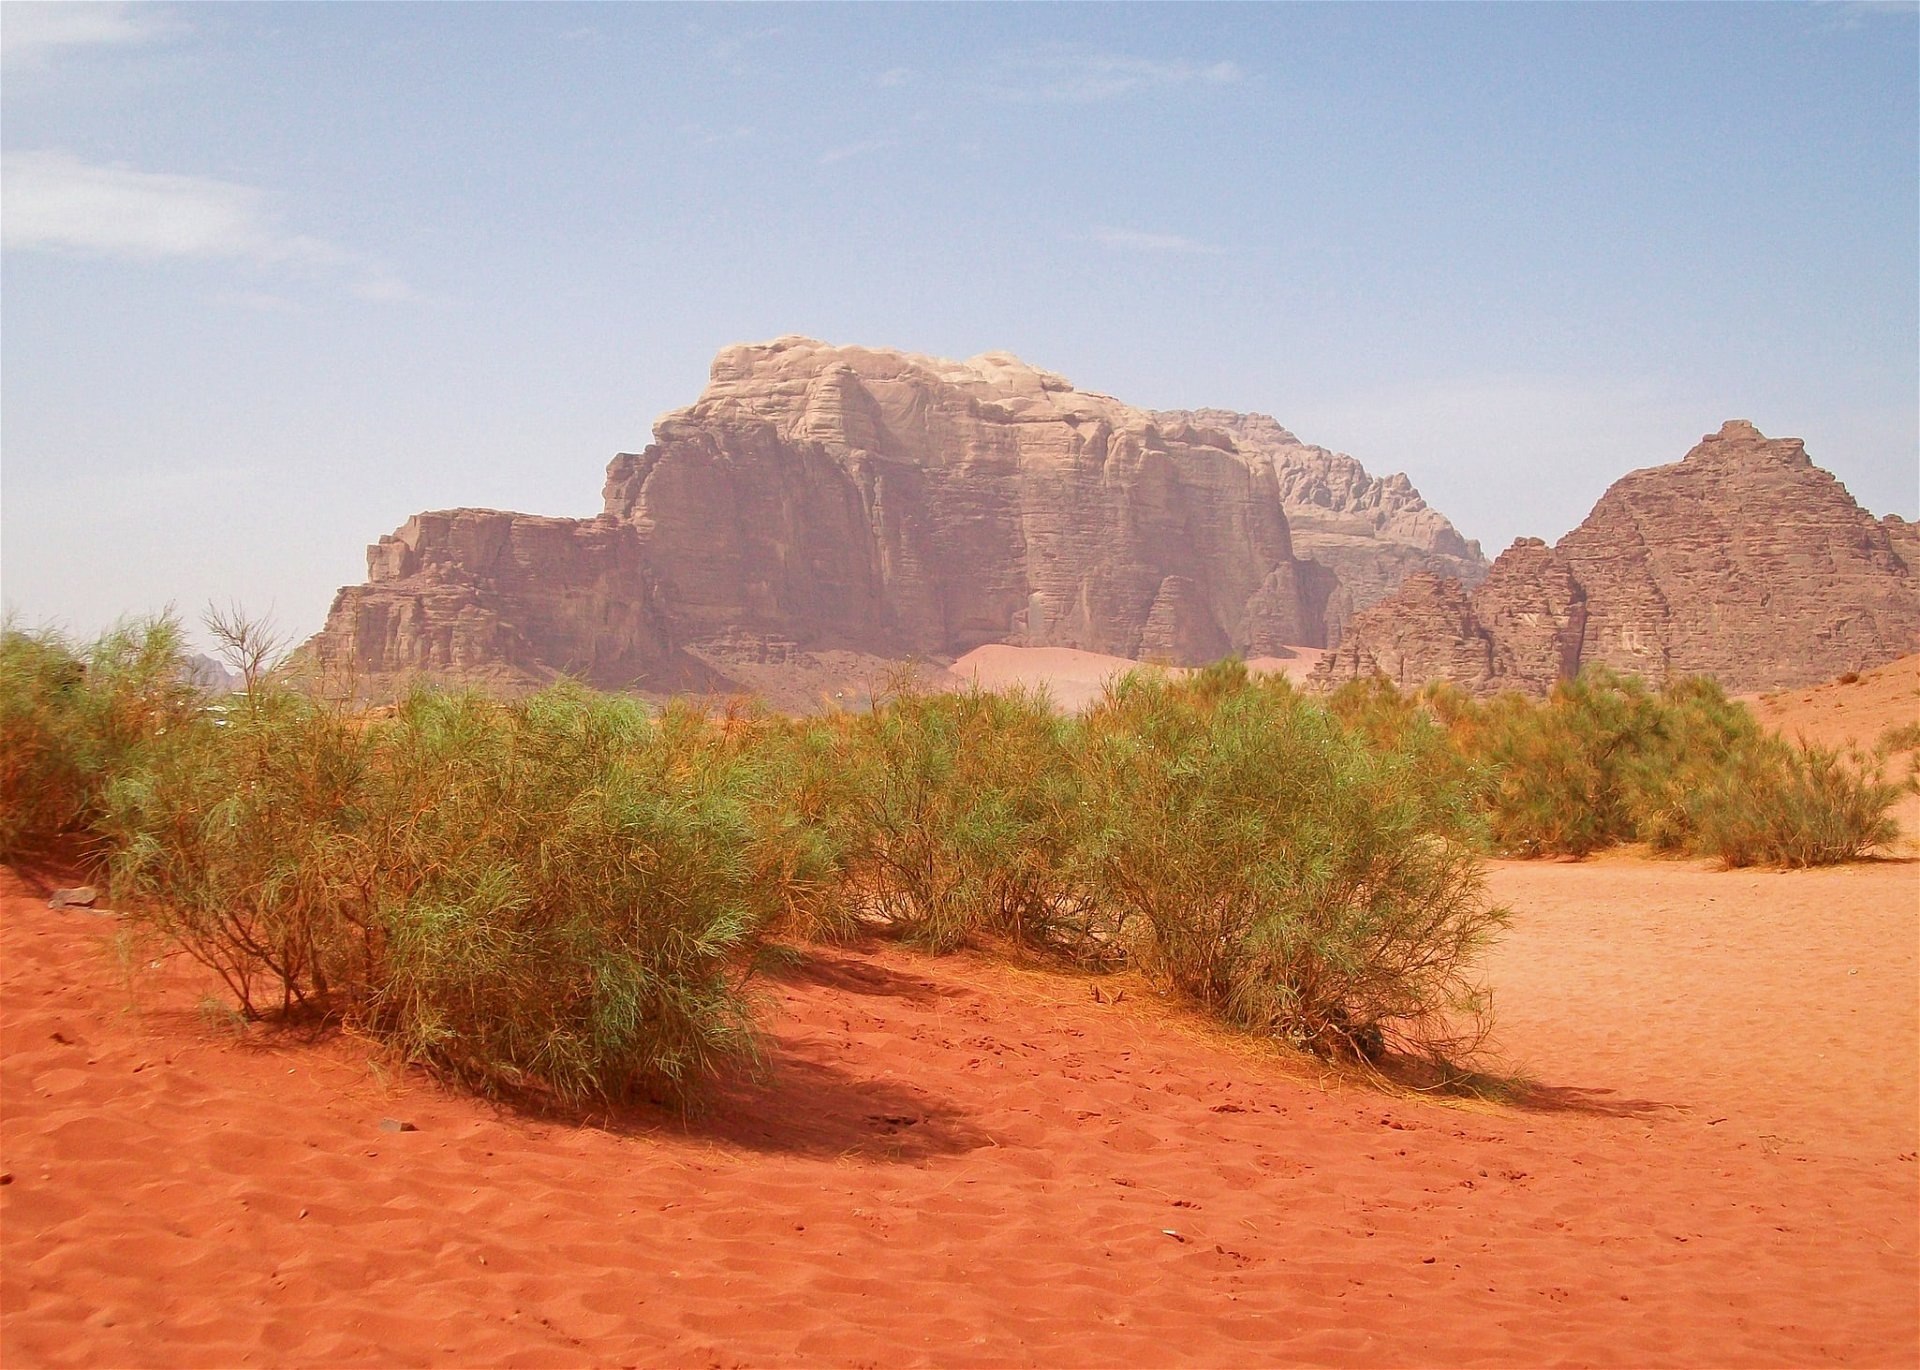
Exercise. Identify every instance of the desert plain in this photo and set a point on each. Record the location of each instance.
(1703, 1153)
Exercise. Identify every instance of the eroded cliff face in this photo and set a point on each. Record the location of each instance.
(1371, 532)
(903, 504)
(1743, 561)
(505, 599)
(839, 499)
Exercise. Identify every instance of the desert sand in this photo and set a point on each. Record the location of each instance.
(1075, 680)
(1856, 713)
(955, 1161)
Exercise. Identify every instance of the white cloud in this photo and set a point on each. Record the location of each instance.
(703, 136)
(31, 33)
(1090, 77)
(1853, 14)
(56, 202)
(862, 149)
(1132, 240)
(895, 76)
(732, 51)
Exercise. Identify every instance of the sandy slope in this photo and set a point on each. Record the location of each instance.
(1075, 679)
(1856, 714)
(958, 1163)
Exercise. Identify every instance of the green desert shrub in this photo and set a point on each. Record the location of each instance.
(1607, 760)
(71, 718)
(585, 910)
(558, 895)
(1564, 771)
(1901, 737)
(45, 746)
(1278, 869)
(1694, 735)
(1432, 727)
(1781, 803)
(236, 844)
(959, 814)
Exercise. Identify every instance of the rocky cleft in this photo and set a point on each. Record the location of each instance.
(1370, 532)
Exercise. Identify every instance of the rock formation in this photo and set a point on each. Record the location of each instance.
(1904, 538)
(1371, 532)
(818, 499)
(1743, 561)
(507, 599)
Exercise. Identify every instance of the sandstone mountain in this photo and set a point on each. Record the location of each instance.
(1371, 531)
(1743, 561)
(824, 506)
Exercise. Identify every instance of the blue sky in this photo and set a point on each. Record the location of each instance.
(275, 277)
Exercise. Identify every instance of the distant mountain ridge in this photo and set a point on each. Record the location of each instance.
(823, 506)
(1743, 561)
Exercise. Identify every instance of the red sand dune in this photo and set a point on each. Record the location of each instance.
(956, 1162)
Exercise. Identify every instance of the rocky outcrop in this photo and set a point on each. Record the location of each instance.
(1904, 538)
(1425, 631)
(506, 599)
(821, 499)
(1371, 532)
(1743, 561)
(1534, 614)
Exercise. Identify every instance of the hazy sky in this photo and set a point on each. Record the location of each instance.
(277, 276)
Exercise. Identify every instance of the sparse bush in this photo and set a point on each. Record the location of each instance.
(1564, 770)
(1791, 804)
(245, 844)
(1604, 760)
(587, 897)
(1284, 873)
(72, 718)
(959, 814)
(557, 895)
(1694, 735)
(1902, 737)
(1433, 727)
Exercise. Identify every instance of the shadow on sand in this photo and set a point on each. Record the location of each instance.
(1514, 1090)
(803, 1106)
(852, 974)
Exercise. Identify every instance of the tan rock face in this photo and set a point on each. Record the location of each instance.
(1904, 538)
(507, 599)
(1743, 561)
(1534, 614)
(819, 499)
(1425, 631)
(1371, 531)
